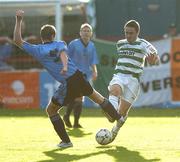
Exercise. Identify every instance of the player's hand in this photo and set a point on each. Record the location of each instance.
(19, 14)
(152, 59)
(64, 70)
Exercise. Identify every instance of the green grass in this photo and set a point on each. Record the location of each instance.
(149, 135)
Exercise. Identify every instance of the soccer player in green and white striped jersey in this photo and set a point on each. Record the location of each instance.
(124, 86)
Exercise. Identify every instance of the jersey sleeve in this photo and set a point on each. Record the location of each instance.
(95, 59)
(70, 49)
(31, 49)
(149, 48)
(119, 45)
(62, 47)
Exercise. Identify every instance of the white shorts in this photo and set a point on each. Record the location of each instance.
(130, 86)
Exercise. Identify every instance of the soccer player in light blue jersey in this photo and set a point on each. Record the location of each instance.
(82, 52)
(53, 56)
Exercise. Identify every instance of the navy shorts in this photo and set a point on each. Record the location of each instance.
(76, 86)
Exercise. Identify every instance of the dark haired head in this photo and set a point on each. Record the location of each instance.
(47, 32)
(133, 24)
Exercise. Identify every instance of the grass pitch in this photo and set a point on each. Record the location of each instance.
(149, 135)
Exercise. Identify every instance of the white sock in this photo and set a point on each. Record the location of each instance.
(119, 124)
(121, 121)
(114, 101)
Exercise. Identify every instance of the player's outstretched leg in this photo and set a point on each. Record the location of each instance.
(108, 109)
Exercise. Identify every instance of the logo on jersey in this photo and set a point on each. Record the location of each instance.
(127, 52)
(54, 53)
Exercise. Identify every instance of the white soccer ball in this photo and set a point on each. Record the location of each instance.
(103, 136)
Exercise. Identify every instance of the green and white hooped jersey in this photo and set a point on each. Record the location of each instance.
(131, 56)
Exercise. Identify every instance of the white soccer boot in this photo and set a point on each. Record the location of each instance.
(65, 145)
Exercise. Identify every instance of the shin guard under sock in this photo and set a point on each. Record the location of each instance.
(110, 111)
(60, 128)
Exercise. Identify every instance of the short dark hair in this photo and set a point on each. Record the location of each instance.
(133, 24)
(47, 31)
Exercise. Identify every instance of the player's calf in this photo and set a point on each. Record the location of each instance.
(57, 122)
(109, 111)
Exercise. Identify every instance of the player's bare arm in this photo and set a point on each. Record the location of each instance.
(64, 59)
(17, 30)
(94, 72)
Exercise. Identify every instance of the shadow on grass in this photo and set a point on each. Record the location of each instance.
(78, 132)
(119, 154)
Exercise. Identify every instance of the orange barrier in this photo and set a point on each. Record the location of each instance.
(19, 89)
(175, 68)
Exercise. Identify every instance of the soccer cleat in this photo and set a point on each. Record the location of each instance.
(67, 121)
(65, 145)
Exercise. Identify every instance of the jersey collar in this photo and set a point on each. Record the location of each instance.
(85, 45)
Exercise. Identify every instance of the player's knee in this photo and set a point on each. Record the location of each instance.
(49, 111)
(115, 90)
(52, 109)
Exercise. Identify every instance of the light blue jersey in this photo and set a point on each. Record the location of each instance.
(83, 56)
(48, 55)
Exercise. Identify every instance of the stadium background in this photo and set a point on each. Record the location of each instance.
(107, 18)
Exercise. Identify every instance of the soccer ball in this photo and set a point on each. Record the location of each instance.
(103, 136)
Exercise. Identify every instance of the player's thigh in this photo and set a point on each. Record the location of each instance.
(127, 100)
(131, 91)
(116, 86)
(80, 86)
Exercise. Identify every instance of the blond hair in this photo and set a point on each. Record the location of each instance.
(86, 25)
